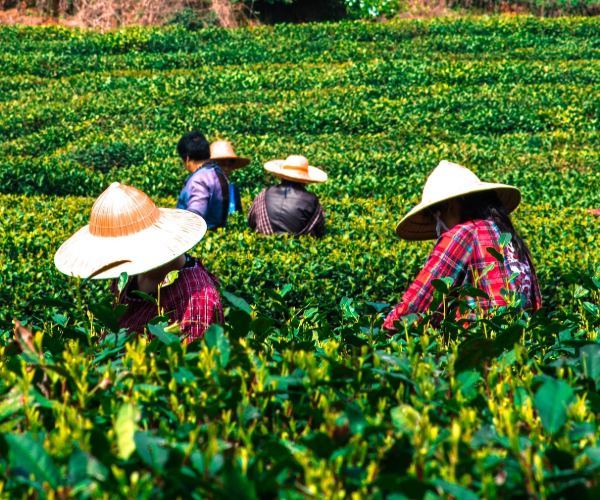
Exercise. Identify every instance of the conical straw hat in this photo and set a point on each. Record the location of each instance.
(296, 168)
(223, 150)
(128, 233)
(449, 180)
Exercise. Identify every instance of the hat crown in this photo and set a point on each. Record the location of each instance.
(296, 162)
(448, 180)
(222, 149)
(122, 210)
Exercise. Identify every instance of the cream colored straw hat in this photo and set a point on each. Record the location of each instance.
(296, 168)
(223, 150)
(128, 233)
(449, 180)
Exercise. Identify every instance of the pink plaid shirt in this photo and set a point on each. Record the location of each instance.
(192, 300)
(461, 254)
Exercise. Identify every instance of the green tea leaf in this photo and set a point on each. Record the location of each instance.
(237, 302)
(551, 401)
(107, 314)
(443, 284)
(170, 278)
(348, 311)
(216, 339)
(159, 331)
(589, 356)
(591, 308)
(151, 450)
(486, 270)
(455, 490)
(405, 418)
(504, 239)
(144, 296)
(496, 254)
(125, 427)
(474, 292)
(593, 454)
(378, 306)
(122, 282)
(28, 453)
(356, 418)
(467, 383)
(83, 466)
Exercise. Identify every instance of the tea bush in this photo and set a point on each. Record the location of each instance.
(300, 393)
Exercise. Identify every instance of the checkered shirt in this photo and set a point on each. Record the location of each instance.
(258, 217)
(461, 254)
(192, 300)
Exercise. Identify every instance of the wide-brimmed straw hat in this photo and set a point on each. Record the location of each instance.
(447, 181)
(128, 233)
(296, 168)
(223, 150)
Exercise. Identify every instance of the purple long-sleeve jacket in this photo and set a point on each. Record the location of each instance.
(203, 194)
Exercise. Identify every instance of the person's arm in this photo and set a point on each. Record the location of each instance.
(203, 309)
(448, 258)
(200, 191)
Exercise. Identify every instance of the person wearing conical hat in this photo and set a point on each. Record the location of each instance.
(477, 244)
(288, 207)
(206, 189)
(128, 233)
(223, 153)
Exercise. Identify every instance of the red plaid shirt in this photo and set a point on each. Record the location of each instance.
(461, 254)
(192, 300)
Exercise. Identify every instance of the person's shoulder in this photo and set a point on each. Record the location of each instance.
(205, 172)
(263, 192)
(462, 230)
(194, 280)
(307, 195)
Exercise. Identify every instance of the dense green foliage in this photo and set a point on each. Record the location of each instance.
(301, 392)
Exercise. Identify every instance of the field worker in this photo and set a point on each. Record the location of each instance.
(467, 216)
(127, 233)
(289, 207)
(206, 190)
(222, 153)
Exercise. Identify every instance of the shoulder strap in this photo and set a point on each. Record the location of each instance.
(225, 193)
(317, 219)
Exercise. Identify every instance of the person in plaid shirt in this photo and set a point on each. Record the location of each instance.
(129, 236)
(468, 217)
(192, 300)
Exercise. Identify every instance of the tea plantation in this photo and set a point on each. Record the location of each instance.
(300, 394)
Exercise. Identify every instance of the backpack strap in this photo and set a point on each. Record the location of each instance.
(225, 193)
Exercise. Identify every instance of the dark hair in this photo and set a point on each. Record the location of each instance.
(193, 146)
(487, 206)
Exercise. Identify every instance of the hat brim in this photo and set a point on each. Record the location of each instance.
(85, 255)
(418, 225)
(237, 161)
(313, 175)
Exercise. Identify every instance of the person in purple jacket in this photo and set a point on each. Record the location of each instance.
(206, 189)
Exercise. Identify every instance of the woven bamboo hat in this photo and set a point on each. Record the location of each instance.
(447, 181)
(128, 233)
(296, 168)
(223, 150)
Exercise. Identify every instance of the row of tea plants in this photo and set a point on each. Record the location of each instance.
(359, 257)
(300, 393)
(295, 404)
(512, 98)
